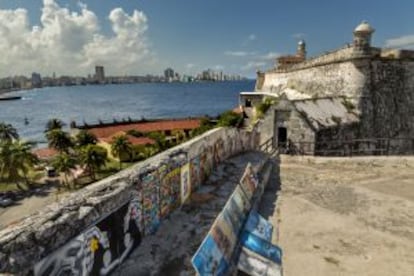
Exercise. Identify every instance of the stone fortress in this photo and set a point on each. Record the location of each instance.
(354, 92)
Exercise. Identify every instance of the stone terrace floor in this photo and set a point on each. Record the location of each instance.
(169, 251)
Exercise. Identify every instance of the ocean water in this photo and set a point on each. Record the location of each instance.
(107, 102)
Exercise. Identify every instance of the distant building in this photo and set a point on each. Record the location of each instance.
(36, 80)
(100, 74)
(169, 74)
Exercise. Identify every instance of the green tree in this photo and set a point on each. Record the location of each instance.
(8, 132)
(160, 140)
(93, 157)
(84, 138)
(230, 118)
(16, 159)
(120, 147)
(64, 163)
(59, 140)
(54, 124)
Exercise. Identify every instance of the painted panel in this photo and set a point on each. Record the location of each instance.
(241, 200)
(99, 249)
(208, 260)
(248, 182)
(255, 265)
(261, 247)
(185, 183)
(224, 237)
(259, 226)
(150, 202)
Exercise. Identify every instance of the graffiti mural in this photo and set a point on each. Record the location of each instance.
(185, 183)
(150, 202)
(195, 179)
(100, 248)
(170, 191)
(218, 151)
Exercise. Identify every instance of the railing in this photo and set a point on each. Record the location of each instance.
(267, 146)
(351, 147)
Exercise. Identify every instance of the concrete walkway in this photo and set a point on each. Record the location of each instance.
(170, 250)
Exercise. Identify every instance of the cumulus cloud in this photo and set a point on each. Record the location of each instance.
(71, 42)
(239, 53)
(406, 41)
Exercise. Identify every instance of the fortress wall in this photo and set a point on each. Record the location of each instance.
(346, 78)
(92, 230)
(388, 105)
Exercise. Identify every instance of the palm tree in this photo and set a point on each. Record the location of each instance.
(54, 124)
(16, 158)
(93, 157)
(120, 147)
(84, 138)
(59, 140)
(64, 163)
(7, 132)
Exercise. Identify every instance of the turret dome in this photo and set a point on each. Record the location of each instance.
(364, 27)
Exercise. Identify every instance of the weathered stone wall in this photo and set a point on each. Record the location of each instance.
(382, 89)
(387, 105)
(25, 244)
(335, 79)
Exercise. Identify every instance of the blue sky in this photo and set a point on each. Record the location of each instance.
(236, 36)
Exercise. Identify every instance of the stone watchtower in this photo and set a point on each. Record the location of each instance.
(301, 51)
(362, 39)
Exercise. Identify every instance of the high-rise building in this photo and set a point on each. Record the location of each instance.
(169, 74)
(36, 80)
(100, 74)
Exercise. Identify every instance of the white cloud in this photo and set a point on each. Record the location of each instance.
(190, 65)
(270, 56)
(239, 53)
(253, 65)
(298, 35)
(406, 41)
(252, 37)
(218, 67)
(68, 42)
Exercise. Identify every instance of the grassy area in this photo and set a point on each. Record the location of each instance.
(111, 168)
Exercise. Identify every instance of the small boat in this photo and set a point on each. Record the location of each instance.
(10, 98)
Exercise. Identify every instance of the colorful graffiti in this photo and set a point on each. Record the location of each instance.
(100, 248)
(157, 192)
(195, 173)
(185, 183)
(150, 201)
(170, 191)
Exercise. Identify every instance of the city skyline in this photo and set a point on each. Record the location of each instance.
(145, 37)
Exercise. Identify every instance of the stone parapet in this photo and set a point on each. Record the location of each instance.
(37, 241)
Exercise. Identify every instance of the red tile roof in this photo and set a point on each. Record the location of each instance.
(133, 140)
(106, 131)
(45, 153)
